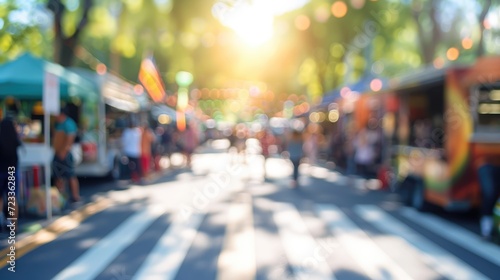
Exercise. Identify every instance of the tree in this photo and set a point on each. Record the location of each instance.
(486, 5)
(65, 39)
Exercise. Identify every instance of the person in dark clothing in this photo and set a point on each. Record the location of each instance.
(9, 173)
(294, 147)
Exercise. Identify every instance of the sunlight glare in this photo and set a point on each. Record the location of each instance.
(253, 24)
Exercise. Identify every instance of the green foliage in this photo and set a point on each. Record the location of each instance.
(18, 33)
(384, 37)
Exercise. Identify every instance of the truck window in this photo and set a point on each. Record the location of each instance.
(488, 109)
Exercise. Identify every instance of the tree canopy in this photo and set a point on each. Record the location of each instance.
(312, 46)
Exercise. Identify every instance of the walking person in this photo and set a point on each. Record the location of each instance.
(63, 165)
(190, 142)
(266, 139)
(131, 143)
(147, 141)
(294, 147)
(364, 154)
(9, 171)
(489, 180)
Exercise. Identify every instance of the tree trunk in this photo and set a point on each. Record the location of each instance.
(428, 45)
(64, 47)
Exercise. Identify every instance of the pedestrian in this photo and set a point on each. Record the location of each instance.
(364, 153)
(63, 165)
(266, 139)
(189, 143)
(147, 141)
(9, 171)
(311, 143)
(294, 147)
(489, 179)
(131, 146)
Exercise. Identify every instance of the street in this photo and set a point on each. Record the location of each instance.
(220, 219)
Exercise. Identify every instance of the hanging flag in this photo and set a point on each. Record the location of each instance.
(150, 79)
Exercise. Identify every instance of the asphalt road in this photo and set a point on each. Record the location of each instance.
(221, 219)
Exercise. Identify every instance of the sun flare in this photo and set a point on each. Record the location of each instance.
(252, 24)
(252, 31)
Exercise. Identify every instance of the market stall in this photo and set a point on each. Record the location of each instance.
(22, 83)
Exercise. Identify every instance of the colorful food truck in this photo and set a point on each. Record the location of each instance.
(439, 126)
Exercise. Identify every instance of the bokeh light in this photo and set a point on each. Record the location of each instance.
(302, 22)
(452, 54)
(339, 9)
(438, 63)
(358, 4)
(333, 116)
(101, 69)
(467, 43)
(376, 85)
(321, 14)
(138, 89)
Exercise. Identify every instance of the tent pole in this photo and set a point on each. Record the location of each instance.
(48, 195)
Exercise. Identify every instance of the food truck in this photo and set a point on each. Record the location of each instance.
(439, 126)
(118, 102)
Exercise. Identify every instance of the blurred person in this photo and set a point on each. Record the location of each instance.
(63, 165)
(294, 148)
(349, 153)
(364, 153)
(147, 141)
(158, 148)
(167, 141)
(311, 143)
(237, 141)
(131, 144)
(9, 142)
(489, 180)
(189, 143)
(266, 139)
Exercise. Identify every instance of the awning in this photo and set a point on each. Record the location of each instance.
(23, 78)
(116, 92)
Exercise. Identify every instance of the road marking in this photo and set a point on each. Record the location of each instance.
(168, 254)
(237, 259)
(444, 263)
(456, 234)
(55, 229)
(373, 260)
(302, 251)
(99, 256)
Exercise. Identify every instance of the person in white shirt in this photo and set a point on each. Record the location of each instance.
(131, 143)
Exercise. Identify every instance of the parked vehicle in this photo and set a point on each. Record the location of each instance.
(439, 126)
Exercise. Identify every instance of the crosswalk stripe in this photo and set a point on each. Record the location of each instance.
(437, 258)
(96, 259)
(302, 251)
(456, 234)
(237, 259)
(372, 259)
(169, 253)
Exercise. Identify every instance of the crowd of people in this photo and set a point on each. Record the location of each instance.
(144, 147)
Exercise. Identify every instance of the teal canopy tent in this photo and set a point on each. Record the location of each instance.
(23, 78)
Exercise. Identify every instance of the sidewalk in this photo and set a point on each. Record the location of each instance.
(91, 190)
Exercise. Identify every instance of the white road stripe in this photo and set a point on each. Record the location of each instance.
(237, 259)
(437, 258)
(456, 234)
(305, 255)
(373, 260)
(169, 253)
(98, 257)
